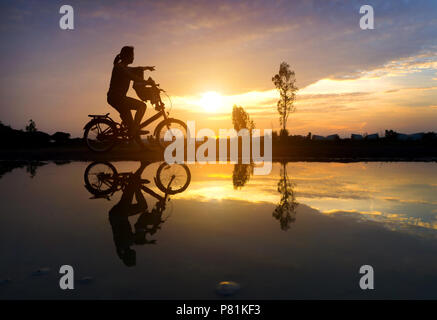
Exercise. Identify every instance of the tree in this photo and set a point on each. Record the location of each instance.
(31, 127)
(285, 82)
(60, 137)
(390, 134)
(242, 172)
(241, 119)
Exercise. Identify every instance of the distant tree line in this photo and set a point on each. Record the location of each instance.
(32, 137)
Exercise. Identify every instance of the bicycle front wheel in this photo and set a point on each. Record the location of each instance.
(173, 127)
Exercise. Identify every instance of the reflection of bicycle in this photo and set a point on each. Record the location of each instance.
(103, 180)
(102, 133)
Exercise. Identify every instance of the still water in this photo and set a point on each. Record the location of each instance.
(149, 231)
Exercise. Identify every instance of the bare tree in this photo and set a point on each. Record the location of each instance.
(285, 82)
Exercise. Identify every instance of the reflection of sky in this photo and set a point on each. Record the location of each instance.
(50, 220)
(392, 193)
(395, 194)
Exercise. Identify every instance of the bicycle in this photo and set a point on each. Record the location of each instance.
(102, 132)
(102, 179)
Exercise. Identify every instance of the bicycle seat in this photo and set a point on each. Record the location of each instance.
(98, 115)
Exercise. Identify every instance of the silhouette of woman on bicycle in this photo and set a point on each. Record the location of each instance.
(102, 133)
(121, 77)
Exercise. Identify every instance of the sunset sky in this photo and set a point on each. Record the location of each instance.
(350, 80)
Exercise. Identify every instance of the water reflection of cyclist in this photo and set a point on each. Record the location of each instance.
(124, 238)
(148, 224)
(121, 77)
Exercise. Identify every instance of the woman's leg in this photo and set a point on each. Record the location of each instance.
(137, 105)
(121, 106)
(124, 105)
(126, 116)
(140, 107)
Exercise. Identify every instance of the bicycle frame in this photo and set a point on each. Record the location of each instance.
(153, 118)
(153, 193)
(120, 179)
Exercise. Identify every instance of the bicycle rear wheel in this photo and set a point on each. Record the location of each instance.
(100, 135)
(99, 178)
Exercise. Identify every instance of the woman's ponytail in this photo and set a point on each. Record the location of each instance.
(117, 59)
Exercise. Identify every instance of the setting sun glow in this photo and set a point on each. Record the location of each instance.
(211, 101)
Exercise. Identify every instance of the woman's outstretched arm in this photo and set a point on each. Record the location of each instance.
(132, 76)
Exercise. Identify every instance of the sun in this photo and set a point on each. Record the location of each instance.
(211, 101)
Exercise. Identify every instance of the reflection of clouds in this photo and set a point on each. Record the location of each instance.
(368, 191)
(219, 176)
(393, 221)
(223, 189)
(331, 186)
(418, 201)
(333, 195)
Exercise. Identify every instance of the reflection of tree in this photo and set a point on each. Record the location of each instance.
(31, 166)
(241, 174)
(285, 211)
(31, 169)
